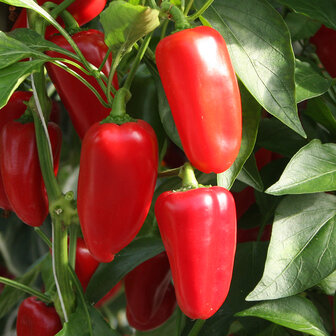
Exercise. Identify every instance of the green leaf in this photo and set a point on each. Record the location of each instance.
(302, 247)
(321, 10)
(250, 174)
(124, 24)
(301, 26)
(311, 169)
(309, 82)
(251, 116)
(274, 330)
(328, 284)
(294, 312)
(12, 51)
(12, 76)
(259, 44)
(108, 275)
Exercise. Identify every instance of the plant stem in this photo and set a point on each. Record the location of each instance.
(196, 328)
(25, 289)
(180, 20)
(170, 172)
(43, 236)
(61, 7)
(115, 63)
(188, 176)
(200, 11)
(189, 5)
(72, 245)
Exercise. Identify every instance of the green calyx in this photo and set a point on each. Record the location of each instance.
(179, 18)
(188, 177)
(118, 119)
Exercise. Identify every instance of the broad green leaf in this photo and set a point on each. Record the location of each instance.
(250, 174)
(321, 10)
(319, 110)
(312, 169)
(12, 76)
(259, 44)
(274, 330)
(251, 116)
(302, 248)
(108, 275)
(309, 82)
(301, 26)
(328, 284)
(124, 24)
(294, 312)
(12, 51)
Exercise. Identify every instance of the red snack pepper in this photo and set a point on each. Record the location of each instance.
(198, 229)
(83, 106)
(203, 94)
(35, 318)
(325, 42)
(20, 170)
(149, 293)
(117, 176)
(81, 13)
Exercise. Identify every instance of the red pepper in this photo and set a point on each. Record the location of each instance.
(325, 42)
(20, 170)
(35, 318)
(117, 176)
(198, 229)
(81, 13)
(203, 94)
(83, 106)
(149, 293)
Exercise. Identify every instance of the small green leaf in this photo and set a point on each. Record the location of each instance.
(302, 247)
(12, 76)
(294, 312)
(309, 82)
(321, 10)
(251, 116)
(124, 24)
(108, 275)
(328, 284)
(312, 169)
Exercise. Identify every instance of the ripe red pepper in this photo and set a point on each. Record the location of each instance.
(325, 42)
(83, 106)
(203, 94)
(149, 293)
(198, 229)
(117, 176)
(81, 13)
(20, 170)
(35, 318)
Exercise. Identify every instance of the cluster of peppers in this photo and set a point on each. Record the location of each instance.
(197, 223)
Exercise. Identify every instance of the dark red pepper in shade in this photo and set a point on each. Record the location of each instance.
(198, 229)
(20, 169)
(149, 293)
(83, 106)
(203, 94)
(35, 318)
(325, 42)
(117, 176)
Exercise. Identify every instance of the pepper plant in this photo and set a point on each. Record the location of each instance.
(167, 167)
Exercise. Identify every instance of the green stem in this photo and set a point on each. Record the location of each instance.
(200, 11)
(61, 7)
(170, 172)
(104, 60)
(136, 63)
(26, 289)
(196, 328)
(116, 60)
(119, 102)
(188, 176)
(164, 29)
(180, 321)
(43, 236)
(72, 245)
(189, 5)
(180, 20)
(153, 4)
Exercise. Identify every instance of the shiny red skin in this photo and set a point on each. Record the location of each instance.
(117, 176)
(198, 229)
(81, 13)
(35, 318)
(20, 170)
(325, 42)
(203, 94)
(14, 108)
(149, 293)
(83, 106)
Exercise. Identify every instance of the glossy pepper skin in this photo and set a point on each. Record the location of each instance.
(149, 293)
(198, 229)
(35, 318)
(20, 170)
(81, 13)
(117, 176)
(325, 42)
(83, 106)
(203, 94)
